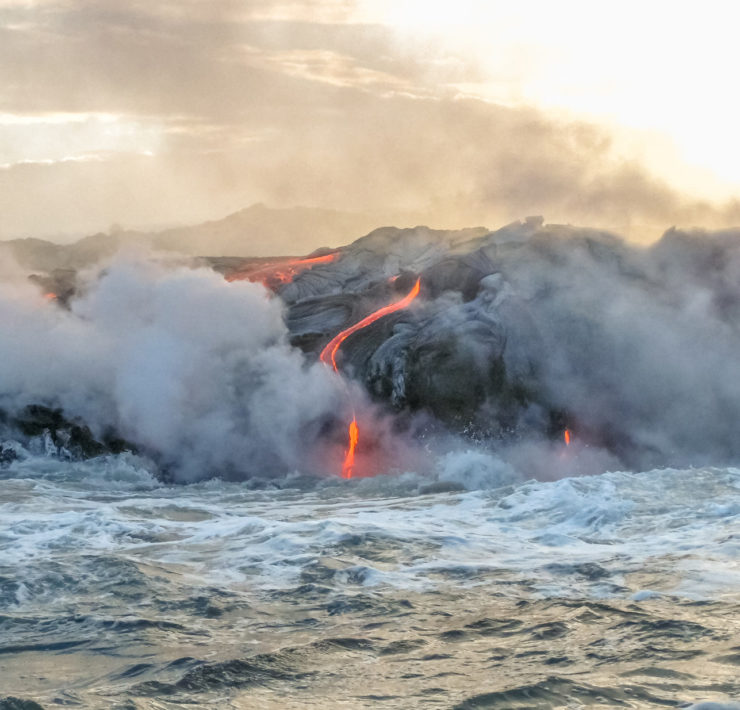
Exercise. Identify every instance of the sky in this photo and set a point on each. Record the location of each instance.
(621, 115)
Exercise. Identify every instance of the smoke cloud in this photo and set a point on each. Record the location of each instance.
(195, 371)
(638, 344)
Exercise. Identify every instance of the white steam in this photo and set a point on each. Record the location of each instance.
(640, 346)
(176, 360)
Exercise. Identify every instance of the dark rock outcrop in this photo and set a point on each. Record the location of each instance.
(62, 437)
(536, 327)
(11, 703)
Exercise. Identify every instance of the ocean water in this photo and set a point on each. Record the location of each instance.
(613, 590)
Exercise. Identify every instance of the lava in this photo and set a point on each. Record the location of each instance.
(329, 353)
(50, 296)
(566, 437)
(349, 456)
(279, 272)
(328, 356)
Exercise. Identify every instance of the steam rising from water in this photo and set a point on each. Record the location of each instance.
(187, 366)
(640, 345)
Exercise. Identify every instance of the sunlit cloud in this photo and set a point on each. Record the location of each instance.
(328, 67)
(339, 11)
(58, 137)
(85, 158)
(464, 112)
(54, 119)
(659, 66)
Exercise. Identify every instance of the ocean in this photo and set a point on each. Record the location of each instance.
(446, 590)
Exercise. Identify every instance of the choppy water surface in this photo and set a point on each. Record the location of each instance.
(618, 590)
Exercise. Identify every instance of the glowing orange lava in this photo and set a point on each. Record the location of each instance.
(566, 436)
(329, 353)
(328, 356)
(349, 456)
(279, 272)
(50, 296)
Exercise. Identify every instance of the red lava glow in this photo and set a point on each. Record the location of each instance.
(50, 296)
(279, 272)
(329, 353)
(349, 456)
(566, 437)
(328, 356)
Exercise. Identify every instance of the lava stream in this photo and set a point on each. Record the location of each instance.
(329, 353)
(349, 456)
(566, 437)
(328, 356)
(281, 271)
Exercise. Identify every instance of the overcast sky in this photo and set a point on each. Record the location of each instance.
(160, 112)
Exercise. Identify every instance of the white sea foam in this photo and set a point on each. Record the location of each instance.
(636, 536)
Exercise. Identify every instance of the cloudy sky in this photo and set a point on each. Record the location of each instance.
(160, 112)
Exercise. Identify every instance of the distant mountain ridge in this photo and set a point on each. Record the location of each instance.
(256, 231)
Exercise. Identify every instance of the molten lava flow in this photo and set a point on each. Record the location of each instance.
(328, 356)
(279, 272)
(50, 296)
(329, 353)
(349, 457)
(566, 436)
